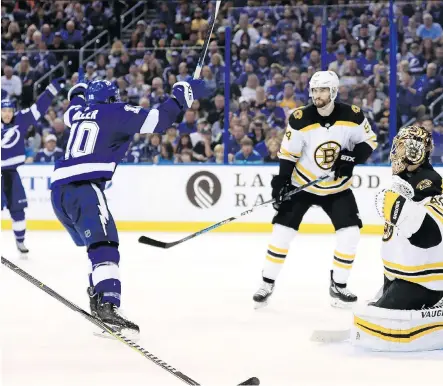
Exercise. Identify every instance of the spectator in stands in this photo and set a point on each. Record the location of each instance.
(273, 146)
(184, 142)
(50, 152)
(71, 36)
(429, 29)
(247, 154)
(47, 34)
(11, 83)
(122, 67)
(58, 48)
(274, 114)
(217, 113)
(432, 84)
(218, 69)
(250, 91)
(28, 77)
(409, 100)
(202, 150)
(417, 61)
(277, 85)
(286, 99)
(90, 73)
(62, 135)
(219, 154)
(243, 78)
(237, 134)
(166, 155)
(338, 66)
(244, 28)
(188, 125)
(210, 83)
(183, 75)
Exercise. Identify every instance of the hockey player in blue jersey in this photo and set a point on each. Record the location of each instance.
(14, 127)
(101, 131)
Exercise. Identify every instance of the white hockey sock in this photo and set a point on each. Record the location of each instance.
(277, 250)
(344, 254)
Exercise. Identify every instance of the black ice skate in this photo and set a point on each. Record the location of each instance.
(22, 249)
(341, 297)
(263, 294)
(109, 313)
(93, 301)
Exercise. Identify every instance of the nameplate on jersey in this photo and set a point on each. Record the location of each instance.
(89, 115)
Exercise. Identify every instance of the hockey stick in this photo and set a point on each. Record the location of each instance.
(161, 244)
(201, 59)
(107, 328)
(331, 336)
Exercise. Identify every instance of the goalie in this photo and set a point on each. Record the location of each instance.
(409, 314)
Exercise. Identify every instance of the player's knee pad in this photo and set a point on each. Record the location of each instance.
(382, 329)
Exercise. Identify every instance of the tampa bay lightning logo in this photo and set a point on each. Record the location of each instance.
(10, 137)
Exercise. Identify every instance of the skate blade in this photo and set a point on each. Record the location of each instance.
(337, 303)
(258, 305)
(130, 334)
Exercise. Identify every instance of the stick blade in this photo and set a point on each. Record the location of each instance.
(152, 242)
(251, 381)
(325, 336)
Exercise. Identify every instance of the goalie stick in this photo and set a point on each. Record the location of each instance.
(108, 329)
(164, 245)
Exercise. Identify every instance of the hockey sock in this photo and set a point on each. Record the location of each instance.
(105, 275)
(19, 225)
(344, 254)
(277, 250)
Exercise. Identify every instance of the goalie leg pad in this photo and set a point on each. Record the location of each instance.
(381, 329)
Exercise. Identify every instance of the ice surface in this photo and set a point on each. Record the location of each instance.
(194, 307)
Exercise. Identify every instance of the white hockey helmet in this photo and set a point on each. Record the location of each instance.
(325, 79)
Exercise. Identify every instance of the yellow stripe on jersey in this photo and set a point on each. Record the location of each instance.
(415, 279)
(435, 211)
(372, 141)
(287, 153)
(344, 255)
(389, 201)
(321, 192)
(311, 127)
(313, 177)
(346, 123)
(277, 250)
(411, 268)
(395, 335)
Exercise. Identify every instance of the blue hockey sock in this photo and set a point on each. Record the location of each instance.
(19, 225)
(105, 275)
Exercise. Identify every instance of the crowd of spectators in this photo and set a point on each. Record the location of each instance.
(275, 49)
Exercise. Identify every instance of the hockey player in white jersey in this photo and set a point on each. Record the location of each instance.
(326, 137)
(409, 314)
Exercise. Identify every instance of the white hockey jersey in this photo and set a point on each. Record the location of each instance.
(412, 247)
(314, 142)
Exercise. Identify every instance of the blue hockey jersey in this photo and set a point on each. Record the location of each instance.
(13, 133)
(100, 136)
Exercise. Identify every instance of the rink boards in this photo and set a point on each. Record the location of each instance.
(185, 198)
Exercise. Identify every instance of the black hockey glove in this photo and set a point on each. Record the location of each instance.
(344, 164)
(281, 185)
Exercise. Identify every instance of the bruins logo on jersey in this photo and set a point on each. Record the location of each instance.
(355, 109)
(422, 185)
(298, 114)
(388, 231)
(326, 154)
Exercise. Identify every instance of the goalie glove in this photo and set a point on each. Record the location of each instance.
(399, 211)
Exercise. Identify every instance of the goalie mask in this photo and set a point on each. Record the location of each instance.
(411, 146)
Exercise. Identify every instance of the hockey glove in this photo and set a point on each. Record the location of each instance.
(78, 90)
(56, 86)
(185, 93)
(281, 185)
(344, 164)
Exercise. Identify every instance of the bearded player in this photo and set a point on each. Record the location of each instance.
(324, 138)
